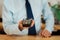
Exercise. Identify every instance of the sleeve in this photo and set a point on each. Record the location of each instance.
(48, 16)
(9, 26)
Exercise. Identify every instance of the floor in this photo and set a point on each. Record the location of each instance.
(9, 37)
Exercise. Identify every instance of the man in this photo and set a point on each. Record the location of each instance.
(14, 11)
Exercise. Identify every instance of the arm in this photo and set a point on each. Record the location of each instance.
(9, 26)
(48, 16)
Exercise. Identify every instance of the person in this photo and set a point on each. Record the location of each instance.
(14, 11)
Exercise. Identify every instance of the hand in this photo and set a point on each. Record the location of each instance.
(32, 23)
(45, 33)
(21, 25)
